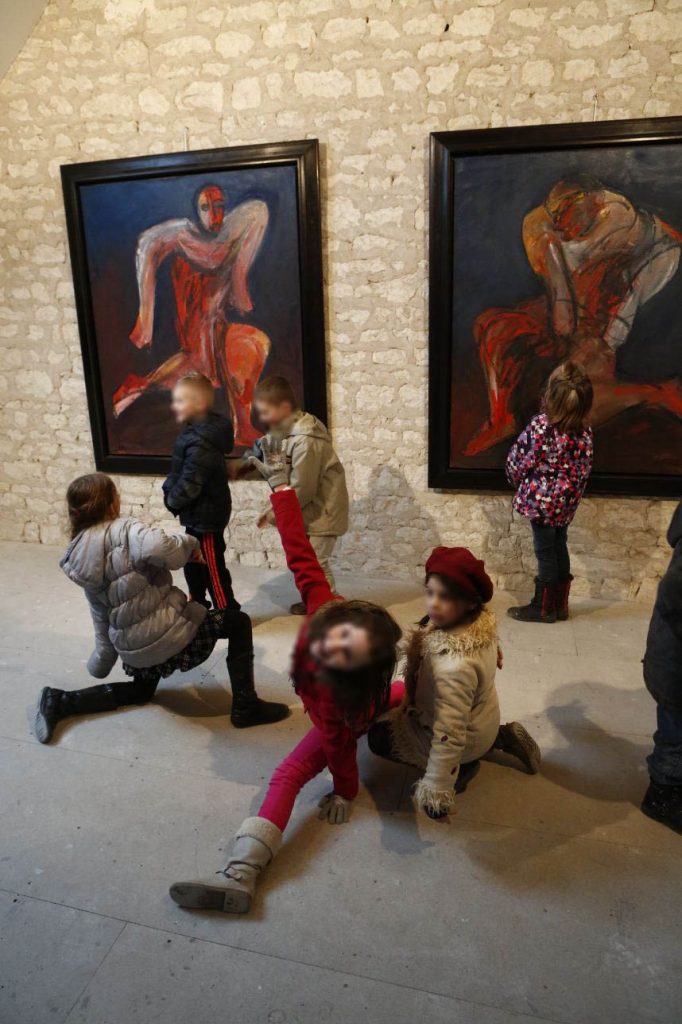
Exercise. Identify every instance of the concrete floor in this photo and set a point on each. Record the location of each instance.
(546, 898)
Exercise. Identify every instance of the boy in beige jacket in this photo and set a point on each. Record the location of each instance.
(317, 475)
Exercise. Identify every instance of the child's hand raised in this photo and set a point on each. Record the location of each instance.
(274, 468)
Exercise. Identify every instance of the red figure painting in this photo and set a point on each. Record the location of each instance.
(210, 260)
(600, 259)
(207, 261)
(553, 254)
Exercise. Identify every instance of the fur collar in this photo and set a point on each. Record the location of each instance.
(460, 641)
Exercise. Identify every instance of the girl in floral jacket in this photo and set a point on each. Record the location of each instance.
(549, 465)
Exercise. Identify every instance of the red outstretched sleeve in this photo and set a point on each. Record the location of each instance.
(310, 580)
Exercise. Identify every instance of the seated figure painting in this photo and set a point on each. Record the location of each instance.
(552, 244)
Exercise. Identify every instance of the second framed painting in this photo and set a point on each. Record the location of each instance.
(207, 261)
(553, 243)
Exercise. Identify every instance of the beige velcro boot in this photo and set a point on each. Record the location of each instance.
(231, 890)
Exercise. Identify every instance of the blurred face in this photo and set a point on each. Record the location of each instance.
(211, 208)
(271, 415)
(344, 646)
(443, 609)
(188, 403)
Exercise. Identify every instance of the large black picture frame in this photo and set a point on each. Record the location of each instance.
(303, 155)
(445, 149)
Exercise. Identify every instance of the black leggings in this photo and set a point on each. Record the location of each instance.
(230, 625)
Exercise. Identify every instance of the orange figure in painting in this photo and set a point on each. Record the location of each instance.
(600, 259)
(209, 277)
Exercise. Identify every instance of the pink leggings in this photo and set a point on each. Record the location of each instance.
(304, 762)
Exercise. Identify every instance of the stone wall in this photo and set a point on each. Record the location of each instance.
(113, 78)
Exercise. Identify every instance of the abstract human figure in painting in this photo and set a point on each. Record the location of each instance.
(209, 273)
(600, 259)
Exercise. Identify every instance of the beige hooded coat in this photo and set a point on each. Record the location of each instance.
(450, 714)
(317, 476)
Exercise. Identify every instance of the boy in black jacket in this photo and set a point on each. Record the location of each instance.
(663, 678)
(197, 489)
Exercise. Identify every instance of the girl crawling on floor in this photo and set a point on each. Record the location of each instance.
(450, 715)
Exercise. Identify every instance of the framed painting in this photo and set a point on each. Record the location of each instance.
(550, 243)
(207, 261)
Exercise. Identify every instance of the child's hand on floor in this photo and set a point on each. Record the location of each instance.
(262, 521)
(334, 809)
(435, 815)
(500, 658)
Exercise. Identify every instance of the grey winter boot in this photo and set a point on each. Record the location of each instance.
(231, 890)
(513, 739)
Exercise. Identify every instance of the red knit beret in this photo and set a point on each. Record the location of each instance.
(464, 570)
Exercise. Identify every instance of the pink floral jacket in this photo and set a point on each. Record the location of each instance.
(549, 470)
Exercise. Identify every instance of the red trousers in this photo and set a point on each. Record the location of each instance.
(304, 762)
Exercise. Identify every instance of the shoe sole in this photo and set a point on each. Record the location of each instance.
(660, 819)
(261, 721)
(195, 896)
(548, 620)
(40, 729)
(531, 750)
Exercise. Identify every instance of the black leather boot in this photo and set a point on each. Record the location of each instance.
(247, 707)
(563, 589)
(542, 607)
(664, 804)
(467, 772)
(50, 710)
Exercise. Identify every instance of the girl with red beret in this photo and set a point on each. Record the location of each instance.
(450, 715)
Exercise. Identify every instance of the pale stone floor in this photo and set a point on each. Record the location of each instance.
(546, 898)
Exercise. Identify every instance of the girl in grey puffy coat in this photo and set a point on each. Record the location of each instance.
(125, 567)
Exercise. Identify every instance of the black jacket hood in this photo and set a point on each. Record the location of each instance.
(675, 528)
(215, 430)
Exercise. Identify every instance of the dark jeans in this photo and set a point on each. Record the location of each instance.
(213, 575)
(550, 544)
(665, 761)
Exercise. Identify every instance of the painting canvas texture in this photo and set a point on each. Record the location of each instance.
(197, 271)
(569, 254)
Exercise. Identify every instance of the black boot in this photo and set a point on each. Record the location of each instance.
(664, 804)
(563, 589)
(50, 710)
(513, 739)
(466, 773)
(247, 707)
(542, 607)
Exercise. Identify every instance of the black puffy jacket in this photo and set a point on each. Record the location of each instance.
(196, 489)
(663, 658)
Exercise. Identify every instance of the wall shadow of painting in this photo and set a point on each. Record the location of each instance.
(192, 272)
(570, 254)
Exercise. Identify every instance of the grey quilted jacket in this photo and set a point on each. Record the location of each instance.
(124, 568)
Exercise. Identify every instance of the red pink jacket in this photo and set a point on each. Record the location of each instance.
(549, 470)
(338, 738)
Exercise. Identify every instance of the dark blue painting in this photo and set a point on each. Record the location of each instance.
(569, 254)
(199, 270)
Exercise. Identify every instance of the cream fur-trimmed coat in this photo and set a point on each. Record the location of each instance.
(451, 713)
